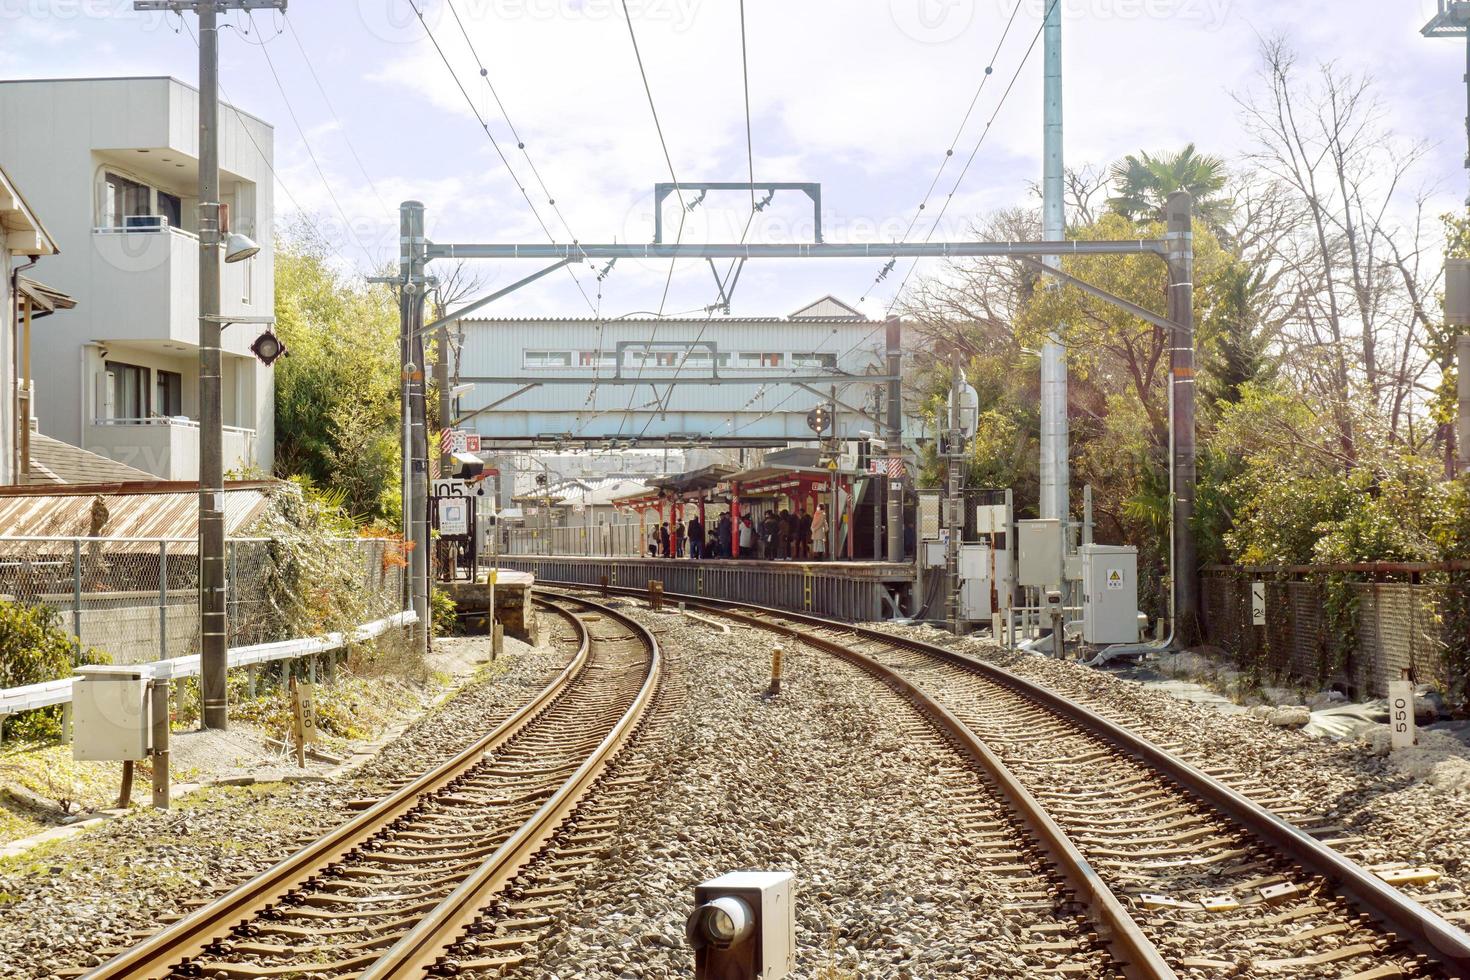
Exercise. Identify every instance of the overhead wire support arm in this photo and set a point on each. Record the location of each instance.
(798, 250)
(1162, 322)
(464, 311)
(663, 189)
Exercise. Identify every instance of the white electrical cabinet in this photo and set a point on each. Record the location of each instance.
(109, 714)
(1109, 594)
(974, 581)
(1039, 553)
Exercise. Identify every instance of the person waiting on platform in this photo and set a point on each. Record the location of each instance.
(819, 534)
(768, 535)
(747, 536)
(804, 534)
(677, 533)
(653, 542)
(722, 536)
(663, 540)
(696, 537)
(783, 535)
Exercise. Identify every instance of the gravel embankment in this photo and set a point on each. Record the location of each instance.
(1408, 808)
(63, 902)
(835, 780)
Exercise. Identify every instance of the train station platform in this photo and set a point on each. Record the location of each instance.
(848, 590)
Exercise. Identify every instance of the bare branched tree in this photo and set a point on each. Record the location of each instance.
(1329, 217)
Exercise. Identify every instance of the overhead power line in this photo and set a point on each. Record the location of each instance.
(342, 128)
(969, 161)
(485, 126)
(229, 103)
(291, 111)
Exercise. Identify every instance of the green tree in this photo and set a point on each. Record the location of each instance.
(337, 391)
(1143, 183)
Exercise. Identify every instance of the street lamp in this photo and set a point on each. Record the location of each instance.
(239, 247)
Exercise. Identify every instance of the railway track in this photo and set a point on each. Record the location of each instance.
(1183, 876)
(393, 892)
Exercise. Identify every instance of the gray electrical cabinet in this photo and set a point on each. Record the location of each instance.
(1039, 553)
(110, 714)
(1109, 594)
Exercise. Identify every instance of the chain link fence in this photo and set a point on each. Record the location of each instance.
(1351, 626)
(137, 599)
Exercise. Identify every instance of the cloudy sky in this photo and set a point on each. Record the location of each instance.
(862, 95)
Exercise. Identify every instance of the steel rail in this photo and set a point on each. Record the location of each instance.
(1428, 933)
(154, 956)
(426, 945)
(1131, 950)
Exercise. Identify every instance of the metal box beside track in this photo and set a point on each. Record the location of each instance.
(110, 715)
(1109, 594)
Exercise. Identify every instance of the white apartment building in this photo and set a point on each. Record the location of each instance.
(113, 163)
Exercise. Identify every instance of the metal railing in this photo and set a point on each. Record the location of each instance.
(1356, 626)
(604, 540)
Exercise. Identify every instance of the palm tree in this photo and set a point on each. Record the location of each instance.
(1143, 183)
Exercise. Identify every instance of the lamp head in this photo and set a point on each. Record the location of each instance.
(239, 247)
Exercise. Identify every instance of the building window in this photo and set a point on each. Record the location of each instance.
(596, 358)
(169, 393)
(128, 202)
(170, 207)
(128, 386)
(814, 360)
(547, 358)
(757, 359)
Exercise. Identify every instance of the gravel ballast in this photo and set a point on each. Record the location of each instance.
(1408, 808)
(63, 902)
(836, 780)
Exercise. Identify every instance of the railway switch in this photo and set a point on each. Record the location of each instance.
(743, 926)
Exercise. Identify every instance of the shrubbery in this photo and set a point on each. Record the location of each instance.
(35, 648)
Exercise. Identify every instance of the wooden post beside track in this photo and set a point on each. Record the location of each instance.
(776, 669)
(656, 594)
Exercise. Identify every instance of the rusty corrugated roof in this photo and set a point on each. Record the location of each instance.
(162, 509)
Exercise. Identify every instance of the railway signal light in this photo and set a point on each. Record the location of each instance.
(268, 348)
(743, 927)
(819, 419)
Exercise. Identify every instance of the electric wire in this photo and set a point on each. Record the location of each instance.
(949, 198)
(955, 140)
(499, 151)
(311, 66)
(596, 307)
(229, 103)
(678, 192)
(724, 284)
(291, 110)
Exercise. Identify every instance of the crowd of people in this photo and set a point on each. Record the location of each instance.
(780, 535)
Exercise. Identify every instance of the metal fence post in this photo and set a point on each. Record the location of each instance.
(231, 602)
(163, 600)
(76, 593)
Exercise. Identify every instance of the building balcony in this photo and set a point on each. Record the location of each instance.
(166, 447)
(149, 274)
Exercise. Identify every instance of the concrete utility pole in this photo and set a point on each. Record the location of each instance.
(1453, 21)
(1180, 238)
(411, 294)
(893, 439)
(954, 518)
(214, 651)
(1055, 438)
